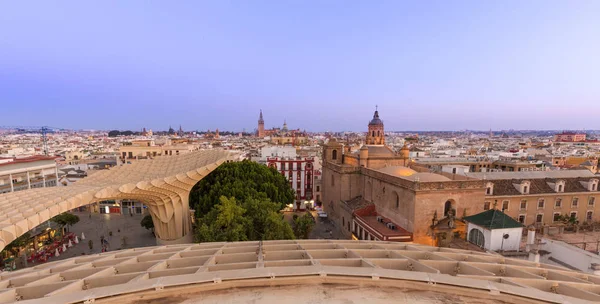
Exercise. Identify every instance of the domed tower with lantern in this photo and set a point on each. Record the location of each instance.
(375, 136)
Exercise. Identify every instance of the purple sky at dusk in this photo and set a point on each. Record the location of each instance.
(321, 65)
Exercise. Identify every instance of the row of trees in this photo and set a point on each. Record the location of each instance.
(115, 133)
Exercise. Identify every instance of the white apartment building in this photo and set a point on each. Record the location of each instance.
(27, 172)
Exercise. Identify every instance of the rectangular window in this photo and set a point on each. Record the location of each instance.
(558, 203)
(488, 191)
(575, 202)
(573, 214)
(523, 205)
(556, 217)
(560, 188)
(522, 219)
(539, 218)
(525, 190)
(588, 216)
(541, 203)
(504, 205)
(486, 206)
(591, 201)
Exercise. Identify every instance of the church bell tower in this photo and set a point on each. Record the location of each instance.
(375, 135)
(261, 126)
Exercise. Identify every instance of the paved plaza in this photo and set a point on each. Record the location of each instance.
(100, 225)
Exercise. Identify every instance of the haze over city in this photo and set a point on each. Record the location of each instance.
(322, 66)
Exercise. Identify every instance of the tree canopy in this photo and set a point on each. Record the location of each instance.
(303, 225)
(147, 223)
(65, 219)
(242, 181)
(254, 219)
(240, 201)
(115, 133)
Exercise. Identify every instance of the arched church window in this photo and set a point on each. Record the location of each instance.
(373, 133)
(448, 207)
(334, 154)
(377, 133)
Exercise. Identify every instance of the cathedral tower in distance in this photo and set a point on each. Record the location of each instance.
(261, 125)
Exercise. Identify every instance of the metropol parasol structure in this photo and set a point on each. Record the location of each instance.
(163, 184)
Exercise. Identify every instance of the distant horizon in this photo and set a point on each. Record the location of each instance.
(428, 65)
(317, 131)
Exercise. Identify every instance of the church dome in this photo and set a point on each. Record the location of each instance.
(376, 121)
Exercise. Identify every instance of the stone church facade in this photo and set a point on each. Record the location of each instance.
(376, 193)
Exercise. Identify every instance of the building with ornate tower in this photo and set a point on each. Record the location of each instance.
(375, 135)
(375, 193)
(281, 136)
(261, 126)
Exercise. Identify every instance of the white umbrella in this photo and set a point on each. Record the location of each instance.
(82, 236)
(76, 240)
(70, 244)
(56, 253)
(64, 247)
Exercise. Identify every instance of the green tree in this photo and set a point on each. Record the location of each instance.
(276, 228)
(254, 219)
(65, 219)
(148, 223)
(241, 180)
(303, 225)
(225, 222)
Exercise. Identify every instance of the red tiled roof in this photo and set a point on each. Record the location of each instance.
(367, 217)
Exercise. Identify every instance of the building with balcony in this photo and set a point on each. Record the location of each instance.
(300, 173)
(27, 173)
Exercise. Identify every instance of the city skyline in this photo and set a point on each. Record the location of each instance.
(319, 66)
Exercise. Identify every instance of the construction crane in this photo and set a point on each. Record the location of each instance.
(33, 129)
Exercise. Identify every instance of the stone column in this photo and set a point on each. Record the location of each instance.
(12, 187)
(44, 179)
(530, 238)
(28, 181)
(534, 256)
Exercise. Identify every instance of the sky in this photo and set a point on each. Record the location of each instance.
(319, 65)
